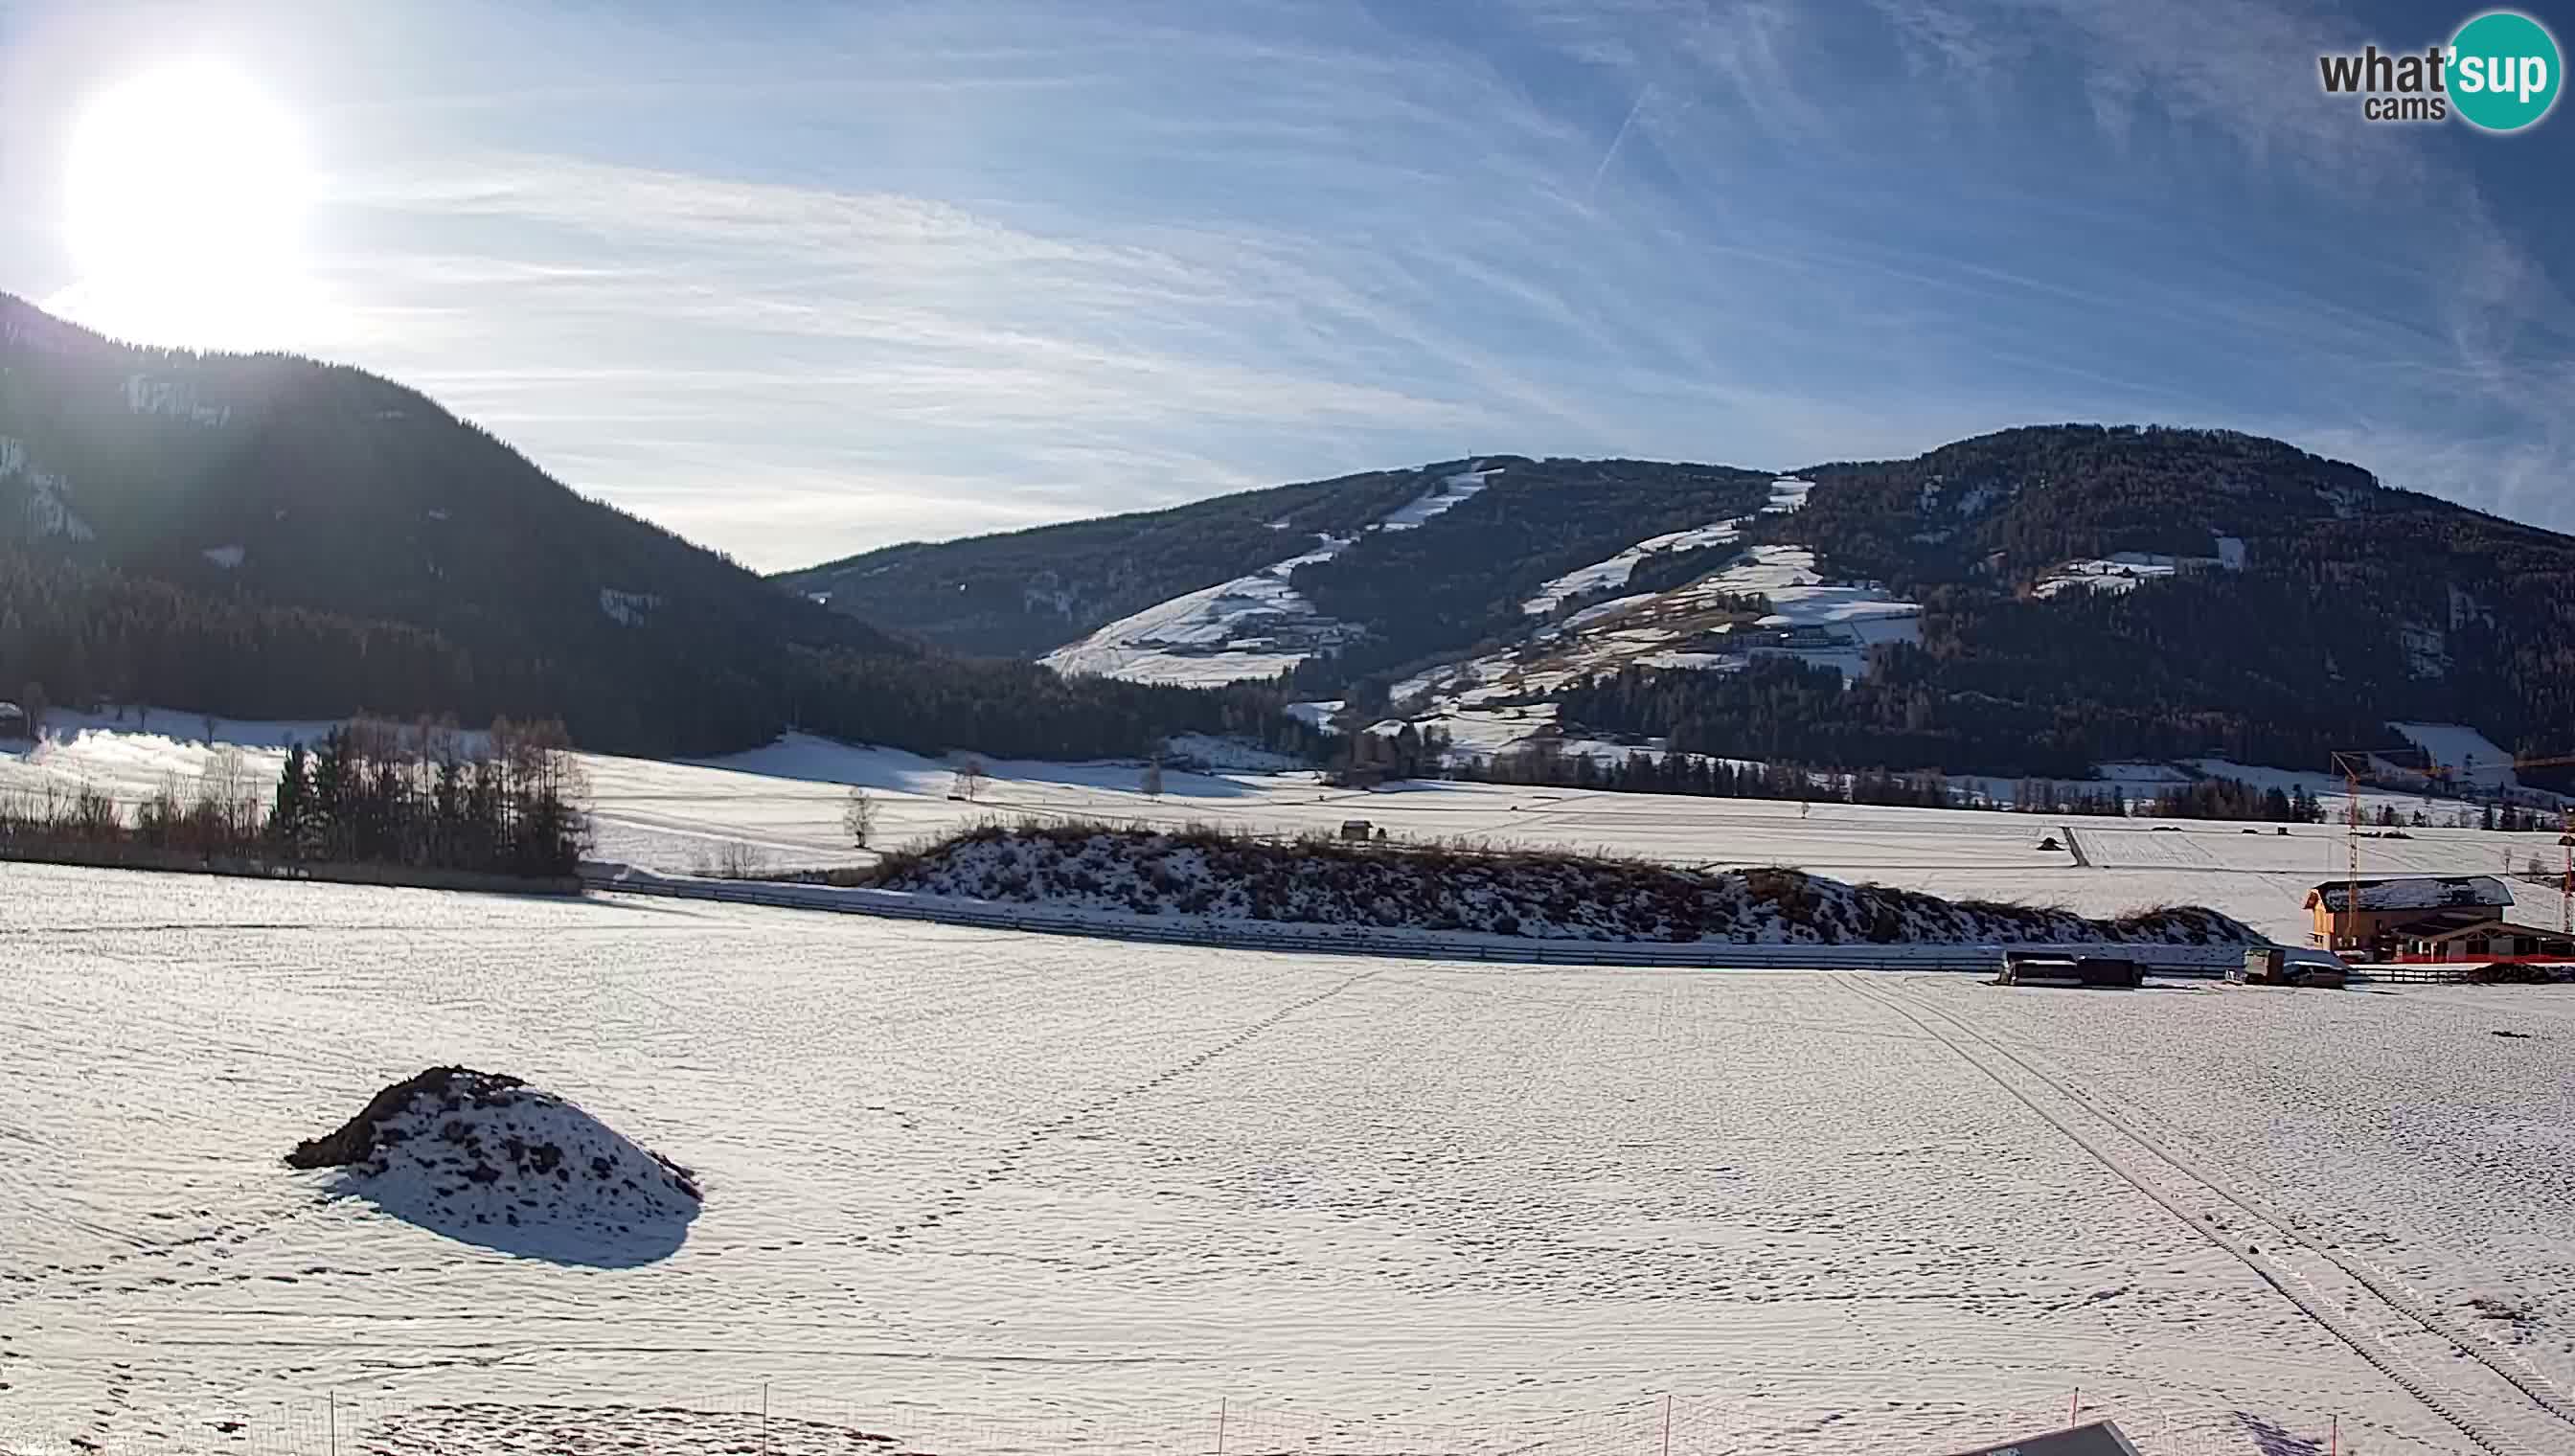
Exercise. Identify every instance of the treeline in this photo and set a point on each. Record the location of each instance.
(84, 634)
(1545, 763)
(369, 794)
(507, 802)
(2016, 708)
(2233, 798)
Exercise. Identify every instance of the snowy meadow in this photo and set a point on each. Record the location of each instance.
(977, 1191)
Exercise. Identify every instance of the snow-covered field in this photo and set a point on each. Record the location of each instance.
(781, 807)
(984, 1192)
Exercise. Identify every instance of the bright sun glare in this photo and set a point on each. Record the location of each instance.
(187, 192)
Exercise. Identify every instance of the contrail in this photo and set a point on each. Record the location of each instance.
(1602, 169)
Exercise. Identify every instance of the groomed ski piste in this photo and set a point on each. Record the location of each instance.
(970, 1190)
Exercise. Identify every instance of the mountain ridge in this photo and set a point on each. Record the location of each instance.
(2027, 562)
(264, 536)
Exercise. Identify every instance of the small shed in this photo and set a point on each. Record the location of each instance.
(13, 721)
(1358, 829)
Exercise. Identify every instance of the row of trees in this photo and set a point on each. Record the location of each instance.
(2233, 798)
(509, 801)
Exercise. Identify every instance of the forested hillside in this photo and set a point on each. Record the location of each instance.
(2307, 606)
(1023, 591)
(1445, 585)
(269, 536)
(2084, 594)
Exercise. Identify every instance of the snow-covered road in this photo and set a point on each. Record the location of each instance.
(966, 1186)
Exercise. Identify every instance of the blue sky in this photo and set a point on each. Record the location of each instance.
(798, 279)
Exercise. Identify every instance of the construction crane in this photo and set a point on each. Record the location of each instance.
(2357, 764)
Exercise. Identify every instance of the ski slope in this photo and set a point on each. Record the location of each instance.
(977, 1192)
(1253, 627)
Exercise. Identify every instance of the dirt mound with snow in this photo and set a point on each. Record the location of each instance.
(1208, 876)
(492, 1160)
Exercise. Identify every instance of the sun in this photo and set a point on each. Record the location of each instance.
(186, 195)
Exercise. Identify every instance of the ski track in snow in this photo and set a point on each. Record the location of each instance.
(985, 1192)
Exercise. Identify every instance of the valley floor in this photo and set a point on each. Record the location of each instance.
(978, 1191)
(780, 806)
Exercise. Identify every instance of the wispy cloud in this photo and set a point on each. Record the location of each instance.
(800, 281)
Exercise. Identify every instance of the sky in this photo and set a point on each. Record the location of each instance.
(801, 280)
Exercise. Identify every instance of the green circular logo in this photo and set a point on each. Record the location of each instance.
(2503, 71)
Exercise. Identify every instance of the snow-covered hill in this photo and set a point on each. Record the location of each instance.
(1254, 625)
(1489, 702)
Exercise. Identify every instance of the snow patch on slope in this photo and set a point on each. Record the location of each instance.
(2117, 572)
(1255, 626)
(1601, 575)
(1787, 495)
(229, 557)
(48, 514)
(2470, 755)
(627, 608)
(1452, 491)
(145, 395)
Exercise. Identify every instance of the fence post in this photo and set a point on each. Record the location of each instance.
(2074, 1409)
(1219, 1425)
(331, 1418)
(1667, 1423)
(764, 1418)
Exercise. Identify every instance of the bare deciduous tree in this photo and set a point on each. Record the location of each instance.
(969, 779)
(858, 816)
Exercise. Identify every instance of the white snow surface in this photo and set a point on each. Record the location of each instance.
(1251, 627)
(983, 1193)
(782, 805)
(1787, 495)
(2119, 572)
(1212, 751)
(2470, 755)
(627, 608)
(1452, 491)
(1601, 575)
(1317, 714)
(229, 557)
(177, 399)
(48, 514)
(1255, 626)
(522, 1171)
(2422, 892)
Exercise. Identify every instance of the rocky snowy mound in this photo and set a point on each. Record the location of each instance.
(1208, 876)
(492, 1160)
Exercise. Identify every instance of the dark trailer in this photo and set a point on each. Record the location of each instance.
(2054, 968)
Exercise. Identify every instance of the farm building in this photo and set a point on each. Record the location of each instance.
(13, 721)
(2387, 906)
(2469, 936)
